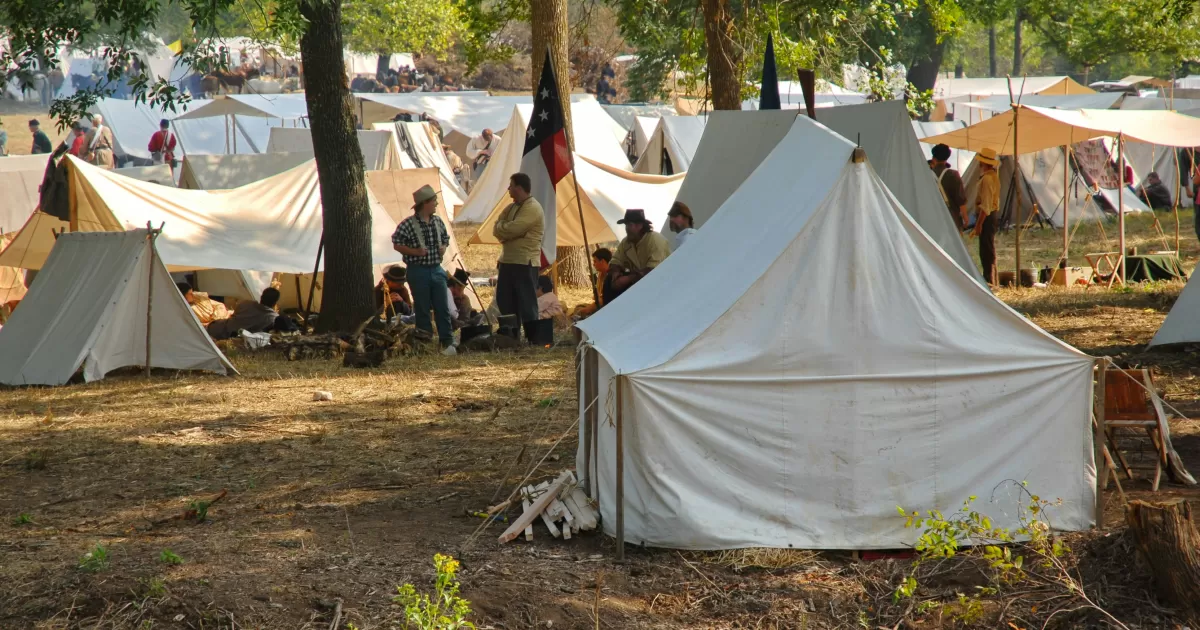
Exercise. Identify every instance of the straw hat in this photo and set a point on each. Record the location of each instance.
(988, 156)
(423, 194)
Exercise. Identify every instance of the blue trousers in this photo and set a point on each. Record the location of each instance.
(429, 293)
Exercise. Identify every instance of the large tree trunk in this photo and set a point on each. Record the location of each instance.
(549, 31)
(992, 50)
(1166, 535)
(347, 298)
(923, 73)
(1018, 57)
(724, 61)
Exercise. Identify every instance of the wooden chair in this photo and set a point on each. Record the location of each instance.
(1135, 425)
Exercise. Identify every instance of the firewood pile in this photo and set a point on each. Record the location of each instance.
(369, 347)
(561, 505)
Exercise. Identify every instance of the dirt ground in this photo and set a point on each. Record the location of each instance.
(346, 500)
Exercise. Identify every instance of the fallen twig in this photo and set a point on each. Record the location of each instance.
(337, 616)
(198, 511)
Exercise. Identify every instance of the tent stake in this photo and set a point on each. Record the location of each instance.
(1098, 440)
(1121, 199)
(312, 288)
(620, 470)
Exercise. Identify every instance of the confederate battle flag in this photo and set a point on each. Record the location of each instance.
(546, 159)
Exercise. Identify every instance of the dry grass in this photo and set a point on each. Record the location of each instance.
(20, 141)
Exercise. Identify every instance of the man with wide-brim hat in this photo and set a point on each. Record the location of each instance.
(464, 315)
(423, 240)
(638, 254)
(987, 206)
(392, 292)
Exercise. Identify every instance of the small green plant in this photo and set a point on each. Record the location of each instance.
(546, 403)
(94, 560)
(35, 460)
(445, 610)
(22, 519)
(154, 588)
(169, 557)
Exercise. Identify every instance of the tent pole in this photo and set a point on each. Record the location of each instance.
(1178, 182)
(593, 415)
(584, 387)
(233, 131)
(582, 226)
(312, 288)
(620, 470)
(1098, 440)
(226, 135)
(1121, 199)
(149, 293)
(1066, 206)
(1017, 186)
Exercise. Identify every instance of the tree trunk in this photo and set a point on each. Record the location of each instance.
(549, 31)
(1166, 535)
(1018, 57)
(347, 299)
(923, 73)
(382, 65)
(724, 61)
(992, 50)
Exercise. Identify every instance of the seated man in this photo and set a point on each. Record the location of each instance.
(207, 310)
(600, 260)
(639, 253)
(548, 305)
(249, 316)
(1154, 193)
(392, 292)
(464, 315)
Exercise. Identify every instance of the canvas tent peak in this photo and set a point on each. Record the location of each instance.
(101, 302)
(760, 417)
(672, 145)
(1182, 324)
(285, 106)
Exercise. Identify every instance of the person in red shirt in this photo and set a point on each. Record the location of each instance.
(78, 142)
(162, 144)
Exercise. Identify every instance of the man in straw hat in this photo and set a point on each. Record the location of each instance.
(638, 254)
(423, 239)
(987, 203)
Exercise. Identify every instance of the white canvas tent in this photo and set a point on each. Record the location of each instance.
(846, 366)
(379, 153)
(643, 130)
(155, 174)
(1182, 324)
(417, 146)
(959, 159)
(20, 179)
(672, 145)
(133, 123)
(100, 298)
(223, 172)
(735, 143)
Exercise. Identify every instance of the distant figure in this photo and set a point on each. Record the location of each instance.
(206, 309)
(249, 316)
(679, 219)
(162, 144)
(77, 140)
(600, 260)
(548, 305)
(391, 294)
(465, 315)
(987, 203)
(954, 194)
(3, 140)
(41, 142)
(479, 150)
(100, 144)
(1155, 193)
(608, 71)
(461, 174)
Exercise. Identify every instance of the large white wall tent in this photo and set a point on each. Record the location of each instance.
(20, 178)
(417, 146)
(759, 416)
(91, 307)
(379, 152)
(222, 172)
(672, 145)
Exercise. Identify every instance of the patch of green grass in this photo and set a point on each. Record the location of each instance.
(95, 560)
(154, 588)
(22, 519)
(169, 557)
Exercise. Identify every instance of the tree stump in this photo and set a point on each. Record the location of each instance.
(1167, 538)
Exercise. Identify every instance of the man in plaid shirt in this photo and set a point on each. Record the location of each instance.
(423, 239)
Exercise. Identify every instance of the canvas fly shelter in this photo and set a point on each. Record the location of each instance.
(101, 302)
(379, 152)
(762, 416)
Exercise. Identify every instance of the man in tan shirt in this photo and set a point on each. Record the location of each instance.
(639, 253)
(987, 203)
(519, 230)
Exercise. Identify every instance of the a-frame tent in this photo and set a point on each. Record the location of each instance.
(1182, 324)
(99, 299)
(671, 146)
(735, 143)
(846, 366)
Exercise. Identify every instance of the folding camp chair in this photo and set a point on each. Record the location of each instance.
(1135, 425)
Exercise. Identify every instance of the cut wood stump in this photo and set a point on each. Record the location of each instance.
(1168, 540)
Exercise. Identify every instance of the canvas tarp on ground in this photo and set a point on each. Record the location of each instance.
(222, 172)
(417, 146)
(20, 178)
(592, 141)
(271, 225)
(605, 193)
(846, 366)
(675, 138)
(378, 151)
(88, 308)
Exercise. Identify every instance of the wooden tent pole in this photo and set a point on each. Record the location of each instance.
(1017, 186)
(1121, 200)
(1066, 208)
(620, 498)
(312, 288)
(149, 293)
(1098, 440)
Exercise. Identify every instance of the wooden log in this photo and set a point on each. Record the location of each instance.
(1166, 535)
(531, 514)
(528, 528)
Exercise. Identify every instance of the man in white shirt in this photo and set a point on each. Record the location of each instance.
(479, 150)
(680, 220)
